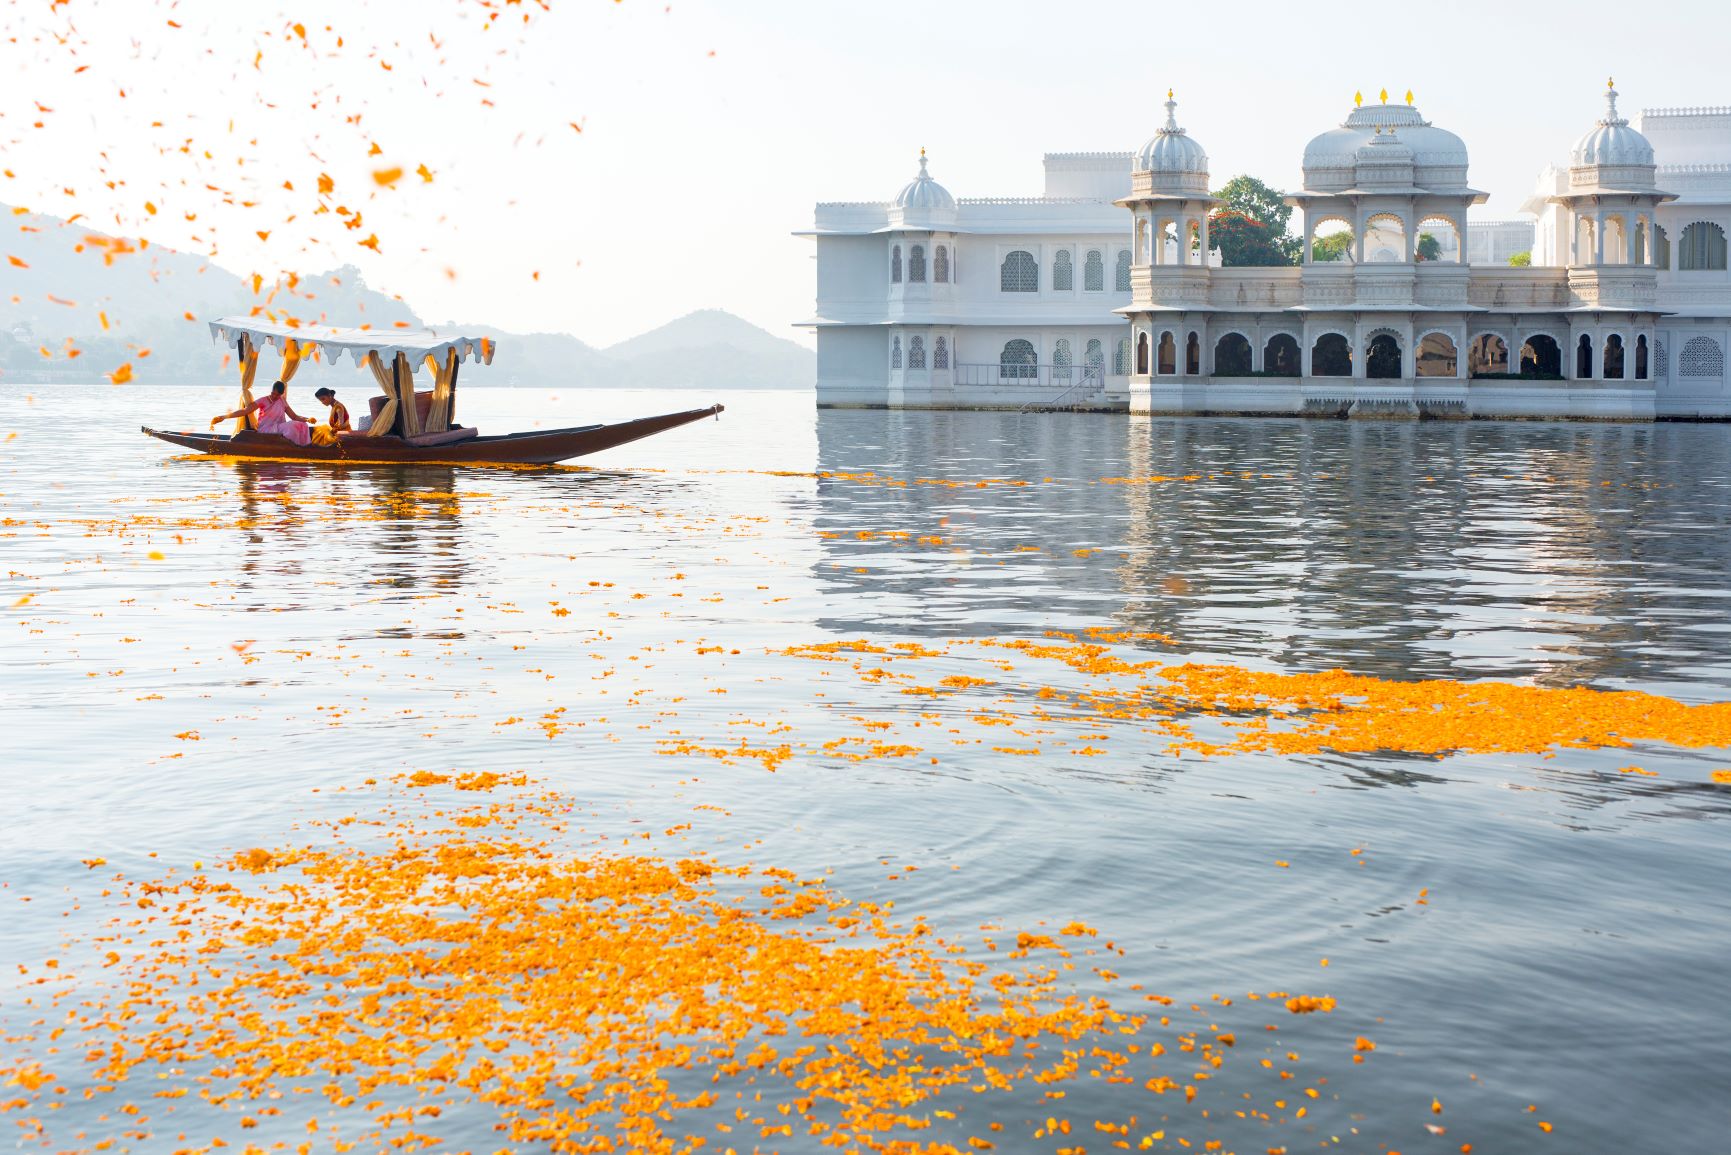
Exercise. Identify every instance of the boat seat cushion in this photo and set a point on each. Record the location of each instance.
(448, 437)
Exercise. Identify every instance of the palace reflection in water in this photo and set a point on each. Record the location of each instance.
(1564, 553)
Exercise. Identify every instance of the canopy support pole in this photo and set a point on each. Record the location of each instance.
(398, 426)
(454, 371)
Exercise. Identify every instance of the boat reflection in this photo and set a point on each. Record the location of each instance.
(377, 536)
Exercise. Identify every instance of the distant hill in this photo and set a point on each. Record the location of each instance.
(715, 348)
(111, 297)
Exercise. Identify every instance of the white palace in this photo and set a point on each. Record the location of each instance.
(1106, 293)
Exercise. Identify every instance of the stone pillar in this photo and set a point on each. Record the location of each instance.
(1360, 354)
(1202, 257)
(1629, 246)
(1304, 344)
(1306, 220)
(1598, 238)
(1409, 235)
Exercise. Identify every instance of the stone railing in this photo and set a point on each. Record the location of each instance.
(1540, 287)
(1253, 288)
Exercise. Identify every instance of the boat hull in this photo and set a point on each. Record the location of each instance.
(537, 448)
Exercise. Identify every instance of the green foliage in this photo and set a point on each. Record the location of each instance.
(1249, 227)
(1333, 247)
(1521, 260)
(1429, 248)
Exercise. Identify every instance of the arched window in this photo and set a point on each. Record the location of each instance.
(896, 353)
(1437, 356)
(1613, 358)
(941, 265)
(1094, 357)
(1331, 356)
(895, 264)
(1142, 353)
(1641, 357)
(1382, 359)
(1542, 357)
(1385, 239)
(1018, 360)
(941, 350)
(1063, 272)
(1020, 273)
(1061, 358)
(1280, 356)
(1121, 357)
(1701, 357)
(1661, 247)
(917, 265)
(1093, 272)
(916, 353)
(1193, 355)
(1487, 354)
(1166, 359)
(1232, 356)
(1702, 246)
(1584, 358)
(1123, 281)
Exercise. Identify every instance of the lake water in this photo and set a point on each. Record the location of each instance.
(209, 656)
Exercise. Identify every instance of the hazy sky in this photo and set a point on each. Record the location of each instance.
(709, 128)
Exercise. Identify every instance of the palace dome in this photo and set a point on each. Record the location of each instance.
(925, 195)
(1439, 157)
(1172, 150)
(1612, 141)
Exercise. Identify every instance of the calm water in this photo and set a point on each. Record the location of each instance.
(316, 628)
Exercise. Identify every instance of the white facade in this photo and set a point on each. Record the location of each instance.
(1098, 293)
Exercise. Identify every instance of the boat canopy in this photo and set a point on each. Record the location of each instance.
(332, 343)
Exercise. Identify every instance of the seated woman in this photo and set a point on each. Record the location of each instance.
(339, 420)
(274, 416)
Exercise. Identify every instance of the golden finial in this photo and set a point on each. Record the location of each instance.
(922, 152)
(1168, 94)
(1385, 96)
(1358, 100)
(1409, 96)
(1610, 82)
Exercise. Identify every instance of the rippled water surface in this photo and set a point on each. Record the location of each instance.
(207, 655)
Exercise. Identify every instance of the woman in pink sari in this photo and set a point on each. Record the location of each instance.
(274, 416)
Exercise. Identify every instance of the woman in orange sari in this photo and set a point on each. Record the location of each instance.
(339, 419)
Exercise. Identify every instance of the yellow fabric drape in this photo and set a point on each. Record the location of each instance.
(406, 394)
(248, 370)
(291, 360)
(388, 414)
(439, 413)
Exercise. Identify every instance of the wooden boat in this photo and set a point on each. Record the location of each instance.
(407, 425)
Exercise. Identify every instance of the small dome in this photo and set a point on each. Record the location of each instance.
(1612, 141)
(923, 194)
(1171, 149)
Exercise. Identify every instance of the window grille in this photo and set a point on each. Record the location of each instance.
(1093, 272)
(941, 265)
(1063, 272)
(1061, 356)
(1020, 273)
(1123, 275)
(917, 265)
(1701, 357)
(941, 350)
(1094, 357)
(896, 353)
(895, 264)
(1018, 360)
(917, 353)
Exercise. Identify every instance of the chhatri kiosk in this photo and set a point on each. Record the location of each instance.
(1382, 331)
